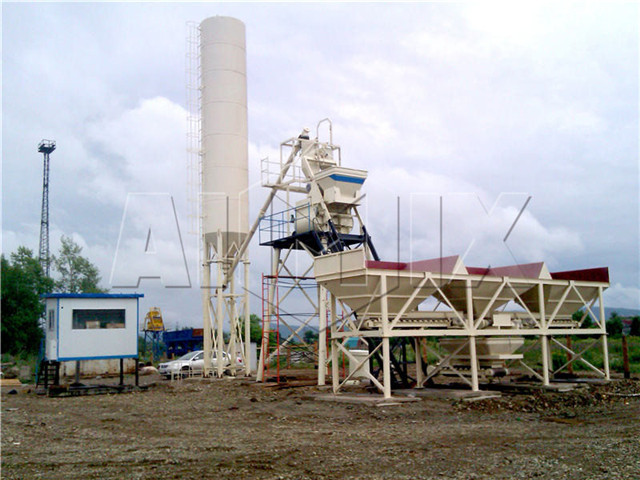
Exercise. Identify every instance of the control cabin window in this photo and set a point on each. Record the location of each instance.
(52, 314)
(106, 318)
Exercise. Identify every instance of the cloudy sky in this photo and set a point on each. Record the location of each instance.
(489, 106)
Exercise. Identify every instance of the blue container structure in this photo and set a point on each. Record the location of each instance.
(180, 342)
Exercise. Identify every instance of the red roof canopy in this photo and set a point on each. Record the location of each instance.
(589, 275)
(440, 265)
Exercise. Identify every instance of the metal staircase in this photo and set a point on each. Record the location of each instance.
(48, 374)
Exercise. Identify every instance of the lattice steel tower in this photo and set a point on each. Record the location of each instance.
(45, 147)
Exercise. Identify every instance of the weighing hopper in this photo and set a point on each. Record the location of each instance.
(491, 351)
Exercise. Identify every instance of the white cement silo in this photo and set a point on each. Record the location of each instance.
(225, 175)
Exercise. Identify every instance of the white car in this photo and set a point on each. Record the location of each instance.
(191, 363)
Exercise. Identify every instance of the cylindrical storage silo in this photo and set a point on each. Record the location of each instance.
(225, 176)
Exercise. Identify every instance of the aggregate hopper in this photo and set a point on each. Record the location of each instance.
(362, 284)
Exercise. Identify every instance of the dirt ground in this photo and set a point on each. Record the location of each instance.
(235, 429)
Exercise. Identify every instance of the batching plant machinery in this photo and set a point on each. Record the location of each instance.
(384, 302)
(481, 317)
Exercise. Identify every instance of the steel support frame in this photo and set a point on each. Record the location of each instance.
(541, 325)
(276, 296)
(222, 302)
(295, 177)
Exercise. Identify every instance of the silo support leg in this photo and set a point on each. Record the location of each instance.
(206, 314)
(247, 320)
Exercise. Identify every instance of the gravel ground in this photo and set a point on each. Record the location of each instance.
(233, 429)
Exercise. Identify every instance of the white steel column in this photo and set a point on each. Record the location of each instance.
(206, 311)
(247, 319)
(605, 346)
(335, 367)
(550, 355)
(264, 347)
(233, 324)
(386, 355)
(322, 335)
(219, 310)
(544, 339)
(473, 357)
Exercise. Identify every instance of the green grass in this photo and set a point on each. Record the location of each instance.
(593, 356)
(559, 357)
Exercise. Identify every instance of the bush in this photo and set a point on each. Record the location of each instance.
(635, 327)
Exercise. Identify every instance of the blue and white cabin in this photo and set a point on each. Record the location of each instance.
(91, 326)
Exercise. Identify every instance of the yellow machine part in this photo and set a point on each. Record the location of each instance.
(153, 320)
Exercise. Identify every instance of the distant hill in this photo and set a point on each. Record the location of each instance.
(622, 312)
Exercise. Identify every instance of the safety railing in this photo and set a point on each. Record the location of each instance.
(270, 173)
(283, 224)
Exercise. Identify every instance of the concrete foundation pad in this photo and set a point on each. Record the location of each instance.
(366, 399)
(527, 388)
(561, 387)
(588, 381)
(447, 393)
(487, 396)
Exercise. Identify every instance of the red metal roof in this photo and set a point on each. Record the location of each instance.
(440, 265)
(524, 270)
(385, 265)
(589, 275)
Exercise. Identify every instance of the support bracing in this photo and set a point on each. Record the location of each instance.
(221, 306)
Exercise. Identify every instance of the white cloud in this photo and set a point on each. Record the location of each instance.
(474, 224)
(139, 150)
(441, 98)
(622, 296)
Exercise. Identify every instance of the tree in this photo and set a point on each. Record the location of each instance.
(614, 326)
(23, 281)
(255, 328)
(310, 336)
(635, 326)
(77, 274)
(577, 316)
